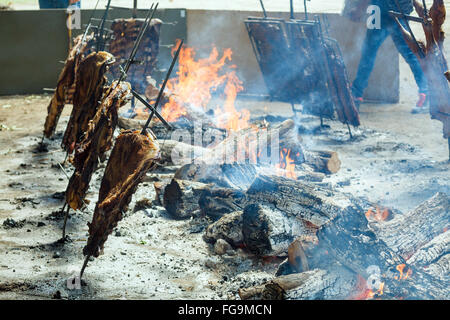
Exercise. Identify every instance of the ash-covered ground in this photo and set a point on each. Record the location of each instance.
(395, 159)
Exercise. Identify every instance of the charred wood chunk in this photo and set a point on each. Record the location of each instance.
(255, 229)
(228, 228)
(406, 234)
(310, 285)
(323, 161)
(216, 202)
(269, 232)
(432, 251)
(181, 198)
(298, 199)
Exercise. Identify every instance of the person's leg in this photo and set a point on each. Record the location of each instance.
(372, 42)
(53, 4)
(410, 58)
(46, 4)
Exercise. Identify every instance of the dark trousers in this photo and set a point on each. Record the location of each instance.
(374, 39)
(56, 4)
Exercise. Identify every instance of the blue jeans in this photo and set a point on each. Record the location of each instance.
(374, 39)
(56, 4)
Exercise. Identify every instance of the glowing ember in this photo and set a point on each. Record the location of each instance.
(286, 167)
(403, 276)
(378, 215)
(196, 81)
(364, 293)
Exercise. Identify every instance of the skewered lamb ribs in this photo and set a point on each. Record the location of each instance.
(66, 82)
(134, 154)
(125, 32)
(97, 140)
(90, 84)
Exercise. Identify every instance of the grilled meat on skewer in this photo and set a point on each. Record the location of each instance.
(97, 140)
(64, 88)
(134, 154)
(125, 32)
(89, 90)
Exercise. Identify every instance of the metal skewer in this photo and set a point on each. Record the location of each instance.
(153, 110)
(100, 42)
(148, 19)
(158, 99)
(263, 9)
(86, 260)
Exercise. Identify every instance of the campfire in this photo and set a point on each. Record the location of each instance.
(252, 188)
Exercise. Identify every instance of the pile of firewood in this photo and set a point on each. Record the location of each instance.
(333, 249)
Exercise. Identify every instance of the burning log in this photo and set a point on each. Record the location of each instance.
(352, 243)
(299, 200)
(88, 95)
(134, 154)
(276, 288)
(253, 140)
(97, 140)
(407, 233)
(234, 176)
(310, 285)
(65, 85)
(348, 241)
(433, 257)
(183, 199)
(171, 149)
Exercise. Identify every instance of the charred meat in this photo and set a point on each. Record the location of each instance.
(97, 140)
(64, 88)
(134, 154)
(89, 90)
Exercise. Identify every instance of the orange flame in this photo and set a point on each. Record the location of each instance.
(364, 293)
(286, 167)
(196, 81)
(378, 215)
(403, 276)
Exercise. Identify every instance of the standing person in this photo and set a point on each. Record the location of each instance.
(375, 38)
(58, 4)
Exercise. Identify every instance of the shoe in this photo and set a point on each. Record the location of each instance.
(422, 104)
